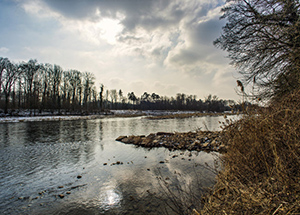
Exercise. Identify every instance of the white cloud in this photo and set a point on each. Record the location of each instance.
(162, 46)
(4, 50)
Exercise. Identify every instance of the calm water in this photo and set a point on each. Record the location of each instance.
(36, 158)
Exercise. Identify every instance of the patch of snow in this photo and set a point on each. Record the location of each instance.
(44, 118)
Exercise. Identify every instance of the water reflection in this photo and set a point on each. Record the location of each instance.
(109, 198)
(42, 156)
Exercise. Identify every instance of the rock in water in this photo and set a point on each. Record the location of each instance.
(61, 196)
(120, 138)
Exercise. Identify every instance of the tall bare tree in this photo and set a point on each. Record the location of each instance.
(88, 82)
(9, 75)
(262, 38)
(30, 70)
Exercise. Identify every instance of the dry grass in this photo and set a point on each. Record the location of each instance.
(261, 168)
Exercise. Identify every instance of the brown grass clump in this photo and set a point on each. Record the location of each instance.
(261, 168)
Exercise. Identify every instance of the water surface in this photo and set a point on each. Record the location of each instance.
(40, 160)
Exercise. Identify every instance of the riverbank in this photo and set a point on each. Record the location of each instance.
(25, 116)
(260, 172)
(193, 141)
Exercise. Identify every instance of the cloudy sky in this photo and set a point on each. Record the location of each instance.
(161, 46)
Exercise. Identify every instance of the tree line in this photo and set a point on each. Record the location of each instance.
(39, 87)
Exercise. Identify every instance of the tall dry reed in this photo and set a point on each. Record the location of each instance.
(261, 173)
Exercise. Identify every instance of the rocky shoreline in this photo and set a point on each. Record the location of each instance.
(193, 141)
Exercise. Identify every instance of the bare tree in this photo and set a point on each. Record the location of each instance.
(3, 64)
(262, 38)
(9, 75)
(88, 82)
(30, 70)
(132, 97)
(101, 96)
(113, 97)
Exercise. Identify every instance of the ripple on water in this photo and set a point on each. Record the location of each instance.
(41, 156)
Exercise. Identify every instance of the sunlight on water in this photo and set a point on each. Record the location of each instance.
(40, 163)
(110, 198)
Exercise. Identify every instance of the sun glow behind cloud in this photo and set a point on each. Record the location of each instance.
(109, 29)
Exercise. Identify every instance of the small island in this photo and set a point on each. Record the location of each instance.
(193, 141)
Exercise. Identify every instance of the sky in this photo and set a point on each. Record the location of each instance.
(161, 46)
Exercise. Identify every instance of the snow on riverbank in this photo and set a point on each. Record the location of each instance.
(45, 118)
(150, 112)
(24, 116)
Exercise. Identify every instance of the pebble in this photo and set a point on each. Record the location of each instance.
(61, 196)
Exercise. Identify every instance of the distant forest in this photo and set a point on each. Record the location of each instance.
(40, 87)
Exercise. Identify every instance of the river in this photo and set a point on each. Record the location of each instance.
(41, 160)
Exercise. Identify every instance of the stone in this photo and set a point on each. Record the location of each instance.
(205, 145)
(164, 133)
(222, 148)
(125, 140)
(213, 143)
(151, 136)
(104, 164)
(79, 176)
(120, 138)
(61, 196)
(136, 140)
(146, 141)
(196, 142)
(60, 187)
(68, 192)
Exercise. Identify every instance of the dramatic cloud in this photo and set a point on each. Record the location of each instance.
(162, 46)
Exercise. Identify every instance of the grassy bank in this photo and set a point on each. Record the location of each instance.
(261, 168)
